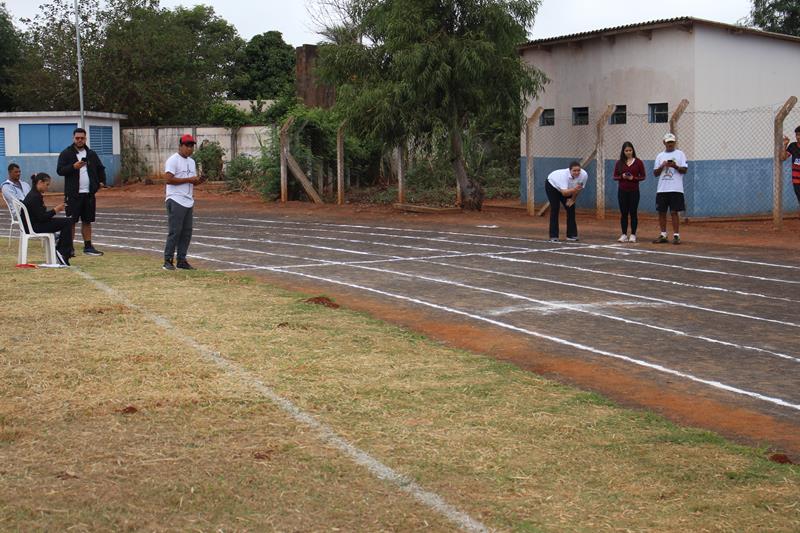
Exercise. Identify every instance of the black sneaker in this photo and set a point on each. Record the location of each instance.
(661, 240)
(183, 264)
(61, 259)
(91, 250)
(573, 239)
(168, 265)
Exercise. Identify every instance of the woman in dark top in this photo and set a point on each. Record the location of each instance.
(628, 171)
(43, 220)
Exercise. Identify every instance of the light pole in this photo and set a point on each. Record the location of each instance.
(80, 63)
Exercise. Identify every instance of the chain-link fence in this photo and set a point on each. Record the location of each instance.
(731, 157)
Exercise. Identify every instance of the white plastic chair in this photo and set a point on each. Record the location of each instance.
(14, 221)
(48, 239)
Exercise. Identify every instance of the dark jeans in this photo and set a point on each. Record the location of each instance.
(180, 230)
(62, 226)
(556, 200)
(797, 192)
(628, 205)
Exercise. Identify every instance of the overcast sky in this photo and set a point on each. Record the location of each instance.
(556, 17)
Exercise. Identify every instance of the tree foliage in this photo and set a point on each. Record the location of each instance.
(156, 65)
(426, 70)
(265, 68)
(780, 16)
(10, 54)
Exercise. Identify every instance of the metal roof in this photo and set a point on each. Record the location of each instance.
(686, 22)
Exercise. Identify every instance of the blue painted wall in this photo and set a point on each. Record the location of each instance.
(33, 164)
(711, 188)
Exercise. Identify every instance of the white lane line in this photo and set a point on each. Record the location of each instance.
(564, 342)
(325, 433)
(646, 279)
(677, 267)
(543, 280)
(501, 237)
(571, 307)
(576, 308)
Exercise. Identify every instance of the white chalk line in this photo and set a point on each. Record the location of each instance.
(677, 267)
(544, 280)
(558, 250)
(647, 279)
(578, 346)
(576, 308)
(571, 307)
(324, 432)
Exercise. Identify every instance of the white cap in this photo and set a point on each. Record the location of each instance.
(670, 138)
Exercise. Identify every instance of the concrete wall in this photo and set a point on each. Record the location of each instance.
(156, 145)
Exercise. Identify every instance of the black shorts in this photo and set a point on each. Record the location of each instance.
(672, 201)
(81, 207)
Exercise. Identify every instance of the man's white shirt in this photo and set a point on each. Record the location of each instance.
(83, 180)
(670, 179)
(562, 179)
(181, 167)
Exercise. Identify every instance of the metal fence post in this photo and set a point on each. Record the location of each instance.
(529, 157)
(600, 164)
(777, 183)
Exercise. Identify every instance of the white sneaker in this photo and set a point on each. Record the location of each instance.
(632, 238)
(623, 238)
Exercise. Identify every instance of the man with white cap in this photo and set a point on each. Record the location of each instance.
(670, 167)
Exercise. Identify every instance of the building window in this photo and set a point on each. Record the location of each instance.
(580, 116)
(101, 139)
(2, 142)
(619, 116)
(658, 113)
(44, 138)
(548, 117)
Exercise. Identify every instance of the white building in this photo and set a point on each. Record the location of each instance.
(33, 140)
(734, 79)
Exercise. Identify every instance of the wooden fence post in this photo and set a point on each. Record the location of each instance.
(340, 165)
(529, 157)
(600, 164)
(777, 165)
(401, 177)
(284, 138)
(676, 116)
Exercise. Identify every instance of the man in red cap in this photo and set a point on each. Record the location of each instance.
(180, 173)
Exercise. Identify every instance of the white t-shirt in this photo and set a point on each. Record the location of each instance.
(562, 179)
(83, 180)
(181, 167)
(670, 179)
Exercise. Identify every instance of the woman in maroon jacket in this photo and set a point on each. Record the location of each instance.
(44, 220)
(628, 171)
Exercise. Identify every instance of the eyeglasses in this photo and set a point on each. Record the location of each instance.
(81, 138)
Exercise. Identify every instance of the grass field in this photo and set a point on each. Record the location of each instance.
(142, 407)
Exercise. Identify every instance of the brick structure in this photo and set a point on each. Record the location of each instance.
(309, 89)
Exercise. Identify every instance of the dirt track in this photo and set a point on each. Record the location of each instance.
(752, 267)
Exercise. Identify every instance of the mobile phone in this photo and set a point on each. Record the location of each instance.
(83, 159)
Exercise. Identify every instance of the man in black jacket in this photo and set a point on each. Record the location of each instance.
(84, 174)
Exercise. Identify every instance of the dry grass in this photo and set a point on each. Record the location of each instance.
(106, 421)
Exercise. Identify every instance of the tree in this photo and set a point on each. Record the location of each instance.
(420, 69)
(265, 68)
(10, 55)
(156, 65)
(779, 16)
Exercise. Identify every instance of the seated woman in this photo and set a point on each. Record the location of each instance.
(43, 220)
